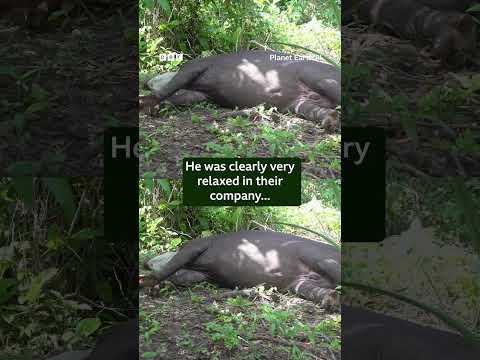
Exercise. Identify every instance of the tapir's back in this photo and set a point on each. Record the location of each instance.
(248, 258)
(249, 78)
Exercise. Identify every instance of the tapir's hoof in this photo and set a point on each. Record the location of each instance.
(331, 121)
(147, 103)
(147, 281)
(331, 301)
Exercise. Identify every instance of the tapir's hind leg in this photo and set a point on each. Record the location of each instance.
(327, 83)
(312, 290)
(326, 264)
(313, 111)
(318, 285)
(322, 94)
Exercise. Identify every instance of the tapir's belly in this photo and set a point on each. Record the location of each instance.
(242, 88)
(243, 271)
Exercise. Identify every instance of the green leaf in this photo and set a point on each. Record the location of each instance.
(149, 355)
(84, 234)
(39, 93)
(34, 292)
(37, 107)
(88, 326)
(148, 181)
(62, 192)
(174, 243)
(24, 187)
(56, 15)
(54, 238)
(165, 185)
(7, 289)
(165, 5)
(149, 4)
(23, 168)
(28, 74)
(8, 70)
(474, 8)
(104, 291)
(20, 122)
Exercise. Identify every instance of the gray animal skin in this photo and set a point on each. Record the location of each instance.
(249, 78)
(451, 33)
(72, 355)
(182, 277)
(119, 343)
(245, 259)
(369, 335)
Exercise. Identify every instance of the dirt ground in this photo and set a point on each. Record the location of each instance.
(173, 325)
(201, 131)
(63, 85)
(430, 110)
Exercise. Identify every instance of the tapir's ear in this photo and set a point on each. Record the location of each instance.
(465, 24)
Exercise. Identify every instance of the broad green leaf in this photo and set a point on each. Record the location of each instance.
(84, 234)
(23, 168)
(8, 70)
(39, 93)
(104, 291)
(7, 289)
(474, 8)
(165, 185)
(54, 238)
(165, 5)
(149, 355)
(149, 4)
(34, 292)
(37, 107)
(24, 187)
(62, 192)
(28, 74)
(88, 326)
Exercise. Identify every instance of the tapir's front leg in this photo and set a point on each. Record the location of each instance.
(180, 81)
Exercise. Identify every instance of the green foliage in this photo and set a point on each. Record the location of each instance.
(165, 224)
(442, 106)
(225, 333)
(234, 324)
(408, 199)
(51, 252)
(245, 138)
(197, 27)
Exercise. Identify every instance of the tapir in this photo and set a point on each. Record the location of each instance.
(370, 335)
(451, 32)
(120, 342)
(245, 79)
(245, 259)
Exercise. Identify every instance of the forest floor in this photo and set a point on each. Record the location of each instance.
(205, 131)
(431, 115)
(430, 110)
(61, 87)
(209, 323)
